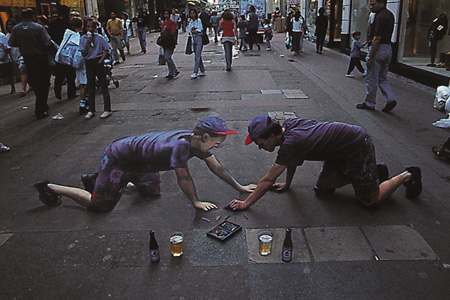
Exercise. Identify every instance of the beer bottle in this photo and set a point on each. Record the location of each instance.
(286, 256)
(153, 246)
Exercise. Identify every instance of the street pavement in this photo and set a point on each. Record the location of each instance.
(399, 250)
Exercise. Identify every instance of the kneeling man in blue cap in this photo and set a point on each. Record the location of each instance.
(347, 151)
(136, 161)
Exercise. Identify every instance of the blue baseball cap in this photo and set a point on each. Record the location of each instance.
(258, 127)
(215, 125)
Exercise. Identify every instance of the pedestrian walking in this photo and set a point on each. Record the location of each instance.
(81, 77)
(176, 18)
(169, 28)
(379, 58)
(183, 18)
(140, 159)
(347, 151)
(289, 20)
(141, 23)
(321, 29)
(126, 24)
(297, 33)
(33, 42)
(268, 34)
(242, 25)
(95, 49)
(115, 32)
(6, 70)
(196, 30)
(253, 25)
(227, 24)
(17, 59)
(355, 55)
(214, 20)
(63, 73)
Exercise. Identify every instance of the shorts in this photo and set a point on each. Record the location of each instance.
(361, 172)
(112, 179)
(6, 70)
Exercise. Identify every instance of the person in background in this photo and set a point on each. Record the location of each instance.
(253, 25)
(169, 25)
(126, 24)
(141, 22)
(297, 33)
(43, 21)
(77, 25)
(321, 30)
(17, 59)
(268, 34)
(176, 18)
(214, 20)
(33, 42)
(242, 25)
(115, 32)
(6, 70)
(183, 18)
(196, 30)
(95, 49)
(229, 36)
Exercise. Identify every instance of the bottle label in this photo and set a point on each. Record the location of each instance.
(154, 255)
(287, 254)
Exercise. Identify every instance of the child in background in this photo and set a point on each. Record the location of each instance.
(355, 55)
(95, 49)
(268, 34)
(242, 26)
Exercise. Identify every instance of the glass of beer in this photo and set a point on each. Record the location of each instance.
(265, 242)
(176, 244)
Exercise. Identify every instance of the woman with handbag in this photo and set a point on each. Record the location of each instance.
(169, 26)
(229, 35)
(196, 31)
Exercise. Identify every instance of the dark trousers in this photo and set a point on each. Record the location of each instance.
(64, 71)
(433, 49)
(94, 69)
(38, 73)
(253, 37)
(355, 62)
(319, 42)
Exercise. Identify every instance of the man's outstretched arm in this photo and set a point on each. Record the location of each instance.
(187, 186)
(263, 186)
(217, 168)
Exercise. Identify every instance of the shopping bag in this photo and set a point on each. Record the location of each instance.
(189, 46)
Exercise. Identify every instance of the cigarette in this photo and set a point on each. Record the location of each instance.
(245, 216)
(205, 219)
(376, 257)
(218, 218)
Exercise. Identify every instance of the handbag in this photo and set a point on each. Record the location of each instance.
(205, 39)
(161, 60)
(67, 51)
(189, 46)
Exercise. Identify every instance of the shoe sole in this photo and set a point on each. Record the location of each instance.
(46, 195)
(390, 106)
(414, 185)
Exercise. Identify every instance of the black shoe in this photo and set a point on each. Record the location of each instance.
(431, 65)
(383, 172)
(414, 185)
(58, 95)
(88, 180)
(228, 69)
(259, 47)
(42, 116)
(46, 195)
(176, 74)
(364, 106)
(323, 191)
(389, 106)
(168, 76)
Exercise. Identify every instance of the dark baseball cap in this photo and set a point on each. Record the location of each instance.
(215, 125)
(258, 127)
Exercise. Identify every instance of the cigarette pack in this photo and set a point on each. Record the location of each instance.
(224, 230)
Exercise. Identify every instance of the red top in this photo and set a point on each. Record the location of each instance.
(227, 28)
(170, 25)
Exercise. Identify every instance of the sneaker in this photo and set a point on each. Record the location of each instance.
(364, 106)
(414, 185)
(105, 114)
(168, 76)
(89, 115)
(176, 74)
(3, 148)
(383, 172)
(202, 74)
(365, 73)
(47, 195)
(349, 75)
(389, 106)
(88, 180)
(194, 76)
(268, 49)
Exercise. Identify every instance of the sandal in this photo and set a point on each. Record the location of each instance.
(414, 185)
(441, 152)
(47, 195)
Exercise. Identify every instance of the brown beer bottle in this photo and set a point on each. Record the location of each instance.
(153, 246)
(286, 256)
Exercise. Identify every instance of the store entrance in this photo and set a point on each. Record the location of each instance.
(334, 12)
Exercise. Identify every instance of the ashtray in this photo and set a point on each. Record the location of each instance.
(224, 230)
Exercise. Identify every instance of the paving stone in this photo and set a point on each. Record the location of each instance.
(4, 237)
(270, 92)
(300, 250)
(338, 244)
(295, 94)
(398, 243)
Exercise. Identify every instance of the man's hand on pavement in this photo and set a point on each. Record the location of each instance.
(247, 188)
(237, 205)
(205, 205)
(280, 187)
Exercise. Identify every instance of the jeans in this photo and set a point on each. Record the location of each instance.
(94, 69)
(173, 70)
(198, 47)
(228, 48)
(377, 76)
(116, 43)
(216, 32)
(38, 73)
(142, 36)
